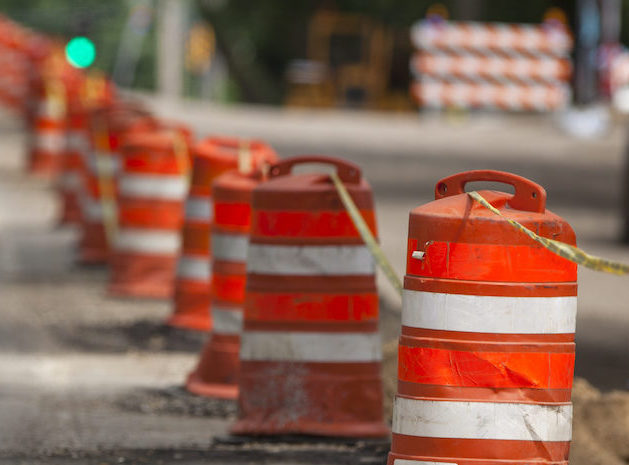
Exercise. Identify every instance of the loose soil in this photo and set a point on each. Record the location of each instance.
(176, 401)
(127, 337)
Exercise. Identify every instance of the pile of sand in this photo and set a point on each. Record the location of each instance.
(600, 433)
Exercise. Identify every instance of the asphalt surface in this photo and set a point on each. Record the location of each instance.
(89, 379)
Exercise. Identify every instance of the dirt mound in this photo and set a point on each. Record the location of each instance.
(176, 401)
(600, 427)
(143, 335)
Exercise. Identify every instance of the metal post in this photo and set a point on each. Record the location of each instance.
(587, 36)
(133, 36)
(611, 12)
(172, 21)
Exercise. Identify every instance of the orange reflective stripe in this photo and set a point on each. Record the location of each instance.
(196, 238)
(473, 368)
(489, 262)
(481, 451)
(229, 288)
(310, 307)
(145, 163)
(304, 224)
(232, 214)
(471, 393)
(151, 213)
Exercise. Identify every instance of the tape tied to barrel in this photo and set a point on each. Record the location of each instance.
(567, 251)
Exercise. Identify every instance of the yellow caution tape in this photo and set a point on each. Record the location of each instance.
(180, 148)
(56, 105)
(106, 186)
(94, 88)
(245, 158)
(569, 252)
(365, 233)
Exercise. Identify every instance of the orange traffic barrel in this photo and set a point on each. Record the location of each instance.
(216, 374)
(14, 65)
(74, 160)
(151, 191)
(87, 93)
(310, 351)
(486, 352)
(108, 125)
(211, 158)
(56, 81)
(48, 129)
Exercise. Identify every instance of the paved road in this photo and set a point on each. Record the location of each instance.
(404, 155)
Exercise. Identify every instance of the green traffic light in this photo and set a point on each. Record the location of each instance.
(80, 52)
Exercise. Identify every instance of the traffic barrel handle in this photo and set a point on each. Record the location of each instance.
(346, 171)
(529, 196)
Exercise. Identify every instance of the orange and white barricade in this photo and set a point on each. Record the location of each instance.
(491, 65)
(151, 191)
(108, 125)
(211, 158)
(48, 130)
(216, 374)
(486, 352)
(87, 93)
(77, 147)
(14, 63)
(311, 351)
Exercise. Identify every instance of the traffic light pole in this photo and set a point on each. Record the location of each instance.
(171, 30)
(587, 37)
(133, 36)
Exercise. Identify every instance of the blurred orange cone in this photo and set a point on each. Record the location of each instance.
(48, 132)
(14, 62)
(73, 159)
(212, 157)
(216, 375)
(108, 126)
(152, 189)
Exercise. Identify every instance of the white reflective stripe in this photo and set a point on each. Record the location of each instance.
(50, 141)
(153, 186)
(309, 260)
(70, 180)
(78, 141)
(194, 268)
(230, 247)
(419, 462)
(147, 241)
(310, 347)
(489, 314)
(49, 109)
(199, 208)
(226, 321)
(103, 163)
(91, 209)
(482, 420)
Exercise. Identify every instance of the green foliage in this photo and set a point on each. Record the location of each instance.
(99, 20)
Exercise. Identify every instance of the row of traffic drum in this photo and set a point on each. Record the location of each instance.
(274, 268)
(268, 261)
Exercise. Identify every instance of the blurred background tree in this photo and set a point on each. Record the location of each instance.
(100, 21)
(258, 40)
